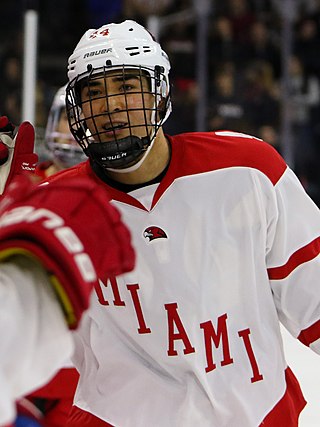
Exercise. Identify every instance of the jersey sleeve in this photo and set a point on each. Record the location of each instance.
(293, 261)
(35, 339)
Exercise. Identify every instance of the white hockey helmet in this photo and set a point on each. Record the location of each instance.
(63, 148)
(117, 47)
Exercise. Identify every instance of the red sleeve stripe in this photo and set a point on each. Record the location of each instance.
(302, 255)
(311, 334)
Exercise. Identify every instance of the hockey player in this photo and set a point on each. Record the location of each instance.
(46, 267)
(227, 247)
(62, 148)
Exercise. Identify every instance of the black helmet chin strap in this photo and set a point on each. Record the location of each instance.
(118, 154)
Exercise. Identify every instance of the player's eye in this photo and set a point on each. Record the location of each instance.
(127, 87)
(94, 93)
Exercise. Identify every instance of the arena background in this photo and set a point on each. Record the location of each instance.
(249, 66)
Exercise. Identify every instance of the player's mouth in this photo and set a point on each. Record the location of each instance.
(114, 128)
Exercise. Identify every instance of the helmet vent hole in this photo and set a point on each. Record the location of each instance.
(135, 50)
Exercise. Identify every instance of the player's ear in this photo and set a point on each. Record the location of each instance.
(161, 110)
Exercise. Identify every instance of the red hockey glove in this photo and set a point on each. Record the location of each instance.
(16, 152)
(73, 230)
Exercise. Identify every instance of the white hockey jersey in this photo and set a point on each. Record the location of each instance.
(227, 245)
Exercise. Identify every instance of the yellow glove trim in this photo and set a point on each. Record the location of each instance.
(64, 300)
(5, 254)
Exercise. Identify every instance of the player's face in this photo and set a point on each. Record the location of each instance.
(117, 105)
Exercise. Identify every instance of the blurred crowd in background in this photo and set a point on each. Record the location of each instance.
(244, 65)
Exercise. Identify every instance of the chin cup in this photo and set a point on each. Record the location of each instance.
(118, 154)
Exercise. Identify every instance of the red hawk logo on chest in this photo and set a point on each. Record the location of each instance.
(153, 232)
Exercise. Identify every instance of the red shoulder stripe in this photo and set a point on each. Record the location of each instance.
(194, 153)
(302, 255)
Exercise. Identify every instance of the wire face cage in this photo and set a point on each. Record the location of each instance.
(115, 112)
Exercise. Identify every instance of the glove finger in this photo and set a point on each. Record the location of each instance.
(24, 140)
(24, 159)
(119, 257)
(126, 252)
